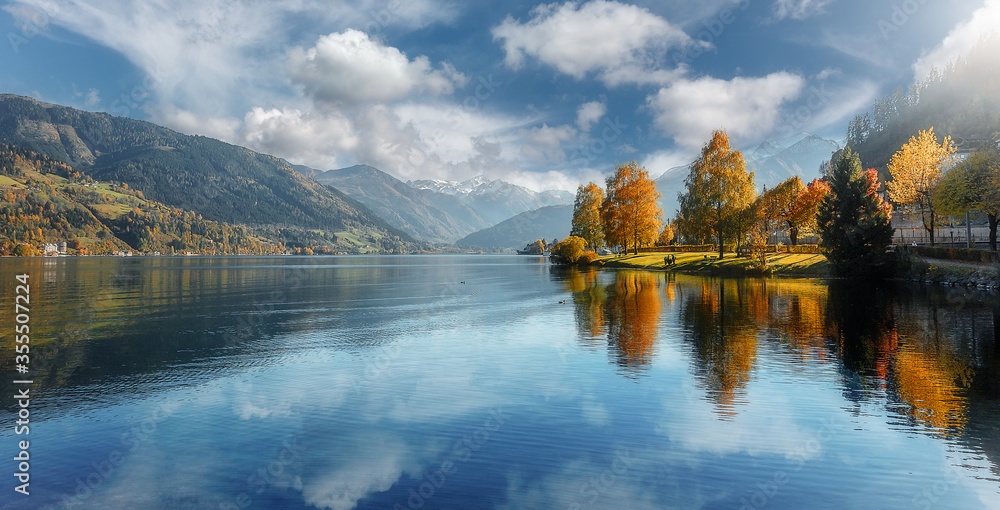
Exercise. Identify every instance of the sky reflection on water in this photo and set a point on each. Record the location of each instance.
(372, 382)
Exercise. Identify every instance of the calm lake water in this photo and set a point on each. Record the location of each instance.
(476, 382)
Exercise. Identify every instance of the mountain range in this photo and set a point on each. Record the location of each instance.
(495, 200)
(428, 215)
(220, 181)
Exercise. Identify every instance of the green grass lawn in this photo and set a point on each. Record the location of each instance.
(801, 264)
(7, 181)
(111, 211)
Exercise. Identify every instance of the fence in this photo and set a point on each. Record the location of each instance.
(957, 237)
(771, 248)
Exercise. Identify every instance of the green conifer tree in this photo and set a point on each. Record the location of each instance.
(854, 222)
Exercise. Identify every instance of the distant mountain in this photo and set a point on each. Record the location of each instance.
(220, 181)
(802, 158)
(772, 162)
(430, 216)
(48, 197)
(552, 222)
(495, 200)
(669, 185)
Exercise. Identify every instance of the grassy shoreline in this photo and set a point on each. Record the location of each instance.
(790, 264)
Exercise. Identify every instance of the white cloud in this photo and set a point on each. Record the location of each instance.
(543, 145)
(351, 67)
(92, 98)
(960, 40)
(196, 53)
(689, 110)
(867, 47)
(660, 162)
(622, 43)
(589, 113)
(828, 105)
(799, 9)
(189, 122)
(828, 72)
(316, 139)
(554, 180)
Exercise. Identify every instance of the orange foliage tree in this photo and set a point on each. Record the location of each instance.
(630, 213)
(801, 216)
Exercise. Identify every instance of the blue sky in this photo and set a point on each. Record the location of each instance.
(544, 95)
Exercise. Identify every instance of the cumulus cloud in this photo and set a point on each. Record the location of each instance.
(589, 113)
(351, 67)
(195, 53)
(413, 140)
(320, 139)
(689, 110)
(620, 42)
(960, 39)
(799, 9)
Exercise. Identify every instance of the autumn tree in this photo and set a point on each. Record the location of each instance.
(973, 185)
(568, 250)
(719, 193)
(666, 235)
(915, 170)
(802, 216)
(854, 221)
(630, 213)
(774, 206)
(587, 215)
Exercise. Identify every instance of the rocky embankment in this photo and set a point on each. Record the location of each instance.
(954, 274)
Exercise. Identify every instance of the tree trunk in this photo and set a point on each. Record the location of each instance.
(931, 231)
(793, 234)
(993, 230)
(721, 246)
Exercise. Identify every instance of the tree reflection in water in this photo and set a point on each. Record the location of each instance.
(624, 314)
(930, 356)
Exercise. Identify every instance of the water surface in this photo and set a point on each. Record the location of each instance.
(466, 382)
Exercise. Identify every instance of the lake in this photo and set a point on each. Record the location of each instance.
(481, 382)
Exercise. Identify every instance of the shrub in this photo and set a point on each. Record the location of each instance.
(568, 251)
(587, 258)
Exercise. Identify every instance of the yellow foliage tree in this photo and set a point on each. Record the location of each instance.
(666, 235)
(630, 212)
(720, 193)
(587, 215)
(916, 170)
